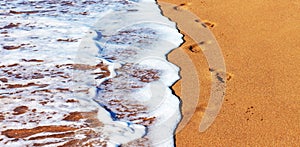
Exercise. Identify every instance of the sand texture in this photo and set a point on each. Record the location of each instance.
(260, 44)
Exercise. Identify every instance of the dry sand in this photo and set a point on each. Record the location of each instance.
(260, 43)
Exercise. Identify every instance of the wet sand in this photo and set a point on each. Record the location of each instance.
(261, 48)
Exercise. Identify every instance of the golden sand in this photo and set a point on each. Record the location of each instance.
(260, 43)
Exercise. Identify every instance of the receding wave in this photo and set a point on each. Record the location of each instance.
(87, 73)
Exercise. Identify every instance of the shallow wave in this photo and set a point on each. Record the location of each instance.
(87, 73)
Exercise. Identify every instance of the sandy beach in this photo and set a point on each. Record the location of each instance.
(261, 48)
(88, 94)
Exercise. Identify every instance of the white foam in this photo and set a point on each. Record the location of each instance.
(38, 36)
(157, 96)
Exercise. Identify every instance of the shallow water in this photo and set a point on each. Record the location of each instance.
(87, 73)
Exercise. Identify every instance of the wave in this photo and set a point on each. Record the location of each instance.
(87, 73)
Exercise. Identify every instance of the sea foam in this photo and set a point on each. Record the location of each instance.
(87, 73)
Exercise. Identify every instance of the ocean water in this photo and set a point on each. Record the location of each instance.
(87, 73)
